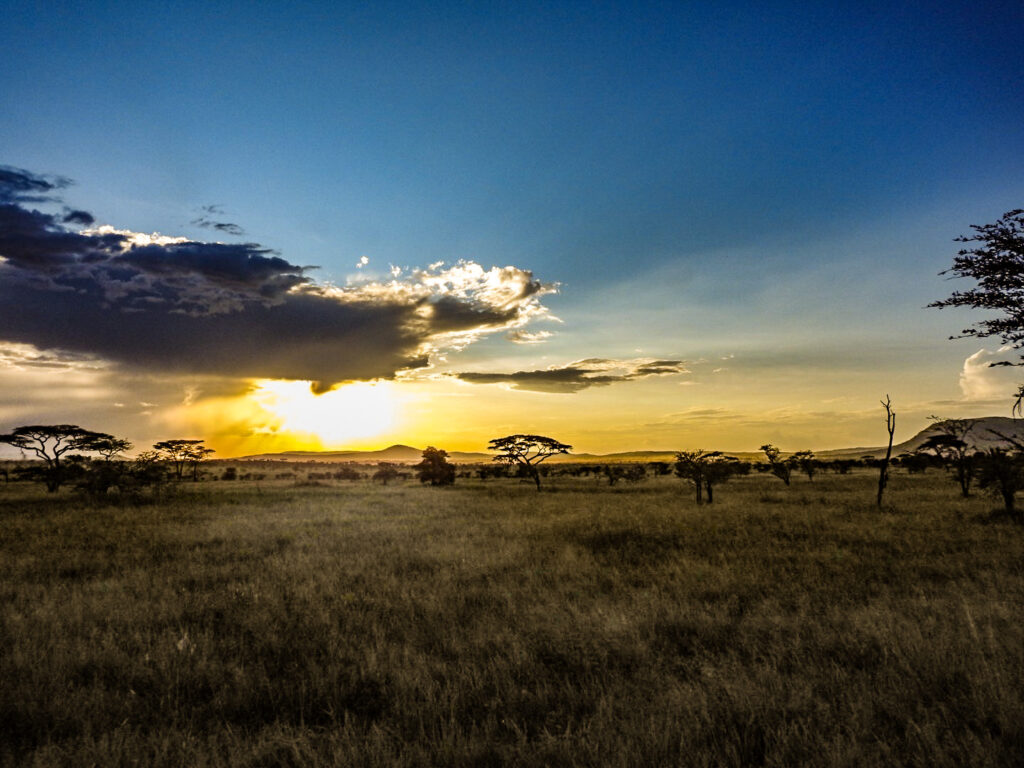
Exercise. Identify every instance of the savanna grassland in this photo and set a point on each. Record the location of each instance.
(488, 624)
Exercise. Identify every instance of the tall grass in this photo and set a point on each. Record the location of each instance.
(487, 624)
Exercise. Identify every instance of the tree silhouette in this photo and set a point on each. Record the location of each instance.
(527, 451)
(996, 262)
(883, 467)
(806, 461)
(951, 447)
(435, 467)
(51, 442)
(182, 452)
(385, 472)
(1002, 472)
(780, 468)
(705, 469)
(108, 447)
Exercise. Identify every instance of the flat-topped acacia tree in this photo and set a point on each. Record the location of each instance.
(50, 442)
(527, 451)
(182, 452)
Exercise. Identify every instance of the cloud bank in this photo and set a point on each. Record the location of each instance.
(579, 375)
(171, 304)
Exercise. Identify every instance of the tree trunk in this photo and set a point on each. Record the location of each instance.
(53, 476)
(536, 477)
(710, 496)
(883, 472)
(964, 477)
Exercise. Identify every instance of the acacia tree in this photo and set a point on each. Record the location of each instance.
(952, 448)
(780, 468)
(705, 469)
(108, 447)
(1002, 472)
(183, 452)
(995, 259)
(435, 467)
(385, 472)
(527, 451)
(50, 443)
(806, 461)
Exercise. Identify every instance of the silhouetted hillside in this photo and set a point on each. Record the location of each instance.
(402, 454)
(980, 438)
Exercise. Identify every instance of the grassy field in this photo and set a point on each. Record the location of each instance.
(486, 624)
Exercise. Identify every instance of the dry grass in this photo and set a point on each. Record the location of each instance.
(486, 624)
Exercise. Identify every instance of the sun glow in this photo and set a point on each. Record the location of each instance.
(351, 412)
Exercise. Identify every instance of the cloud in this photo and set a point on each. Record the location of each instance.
(27, 357)
(20, 186)
(592, 372)
(986, 377)
(77, 217)
(172, 304)
(526, 337)
(204, 221)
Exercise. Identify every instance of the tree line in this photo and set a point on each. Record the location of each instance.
(61, 449)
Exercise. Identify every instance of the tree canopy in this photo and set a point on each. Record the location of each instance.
(527, 451)
(435, 467)
(182, 452)
(781, 468)
(994, 258)
(705, 469)
(50, 442)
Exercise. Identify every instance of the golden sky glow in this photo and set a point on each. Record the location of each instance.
(661, 229)
(349, 414)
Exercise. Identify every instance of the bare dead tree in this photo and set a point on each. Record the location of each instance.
(890, 425)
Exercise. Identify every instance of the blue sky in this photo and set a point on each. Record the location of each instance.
(779, 182)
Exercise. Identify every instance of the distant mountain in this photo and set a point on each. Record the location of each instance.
(400, 454)
(980, 438)
(405, 454)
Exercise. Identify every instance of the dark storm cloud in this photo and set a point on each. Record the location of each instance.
(308, 336)
(77, 217)
(204, 221)
(37, 241)
(21, 186)
(592, 372)
(450, 314)
(236, 310)
(244, 268)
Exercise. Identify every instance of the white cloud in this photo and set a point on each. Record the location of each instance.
(526, 337)
(979, 380)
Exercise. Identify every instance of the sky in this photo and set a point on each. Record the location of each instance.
(628, 226)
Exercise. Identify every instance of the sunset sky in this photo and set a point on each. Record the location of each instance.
(627, 226)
